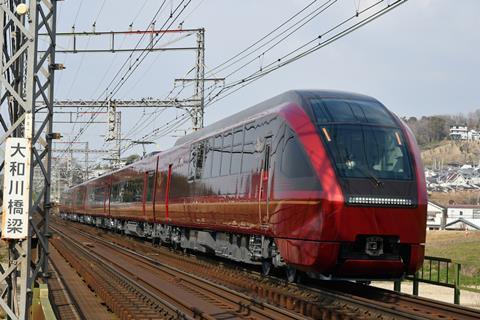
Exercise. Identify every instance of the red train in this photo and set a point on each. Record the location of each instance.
(326, 182)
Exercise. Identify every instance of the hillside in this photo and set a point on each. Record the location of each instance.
(448, 151)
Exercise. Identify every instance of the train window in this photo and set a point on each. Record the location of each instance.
(133, 190)
(294, 161)
(150, 185)
(161, 183)
(80, 197)
(248, 159)
(336, 110)
(199, 160)
(99, 194)
(226, 153)
(249, 133)
(369, 151)
(319, 111)
(91, 194)
(217, 155)
(115, 193)
(376, 113)
(207, 169)
(193, 160)
(340, 111)
(237, 151)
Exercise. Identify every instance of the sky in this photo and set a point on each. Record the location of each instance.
(419, 59)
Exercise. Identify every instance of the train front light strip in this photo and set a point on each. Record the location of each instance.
(359, 200)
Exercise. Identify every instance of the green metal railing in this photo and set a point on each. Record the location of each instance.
(437, 271)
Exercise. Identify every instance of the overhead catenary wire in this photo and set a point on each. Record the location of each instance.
(123, 80)
(282, 61)
(306, 49)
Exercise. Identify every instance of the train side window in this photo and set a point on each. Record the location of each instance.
(294, 163)
(226, 153)
(217, 153)
(161, 183)
(249, 133)
(199, 160)
(115, 193)
(99, 194)
(237, 150)
(132, 190)
(80, 197)
(150, 185)
(207, 169)
(248, 157)
(192, 162)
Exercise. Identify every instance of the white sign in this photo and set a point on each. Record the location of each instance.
(16, 188)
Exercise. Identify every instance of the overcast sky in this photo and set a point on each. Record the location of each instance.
(420, 59)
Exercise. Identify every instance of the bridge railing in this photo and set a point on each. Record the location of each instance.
(442, 272)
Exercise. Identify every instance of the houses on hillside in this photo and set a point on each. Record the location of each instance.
(453, 178)
(461, 132)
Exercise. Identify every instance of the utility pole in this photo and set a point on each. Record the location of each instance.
(26, 75)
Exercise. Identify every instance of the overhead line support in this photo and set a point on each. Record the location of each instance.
(27, 75)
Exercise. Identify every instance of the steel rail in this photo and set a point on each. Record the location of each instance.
(379, 302)
(147, 293)
(247, 302)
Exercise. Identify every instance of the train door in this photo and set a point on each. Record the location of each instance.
(264, 183)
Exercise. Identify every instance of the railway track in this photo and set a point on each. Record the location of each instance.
(318, 300)
(153, 290)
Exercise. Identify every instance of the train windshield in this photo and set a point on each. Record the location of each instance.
(363, 139)
(365, 151)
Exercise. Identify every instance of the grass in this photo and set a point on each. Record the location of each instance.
(461, 247)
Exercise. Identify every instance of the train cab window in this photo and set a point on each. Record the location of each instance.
(150, 185)
(337, 110)
(226, 153)
(207, 169)
(237, 151)
(217, 155)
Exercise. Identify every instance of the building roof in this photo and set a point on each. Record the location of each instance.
(465, 221)
(463, 206)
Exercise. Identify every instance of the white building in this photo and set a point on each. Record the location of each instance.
(436, 215)
(463, 217)
(461, 132)
(458, 132)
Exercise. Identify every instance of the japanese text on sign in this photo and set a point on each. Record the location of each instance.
(16, 189)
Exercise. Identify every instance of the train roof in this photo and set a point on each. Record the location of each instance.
(254, 111)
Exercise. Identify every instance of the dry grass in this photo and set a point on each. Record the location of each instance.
(460, 246)
(452, 151)
(460, 197)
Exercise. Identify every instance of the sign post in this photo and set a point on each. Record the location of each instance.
(16, 188)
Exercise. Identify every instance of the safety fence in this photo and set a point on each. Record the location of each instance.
(446, 273)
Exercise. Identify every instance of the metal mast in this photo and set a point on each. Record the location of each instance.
(198, 112)
(26, 76)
